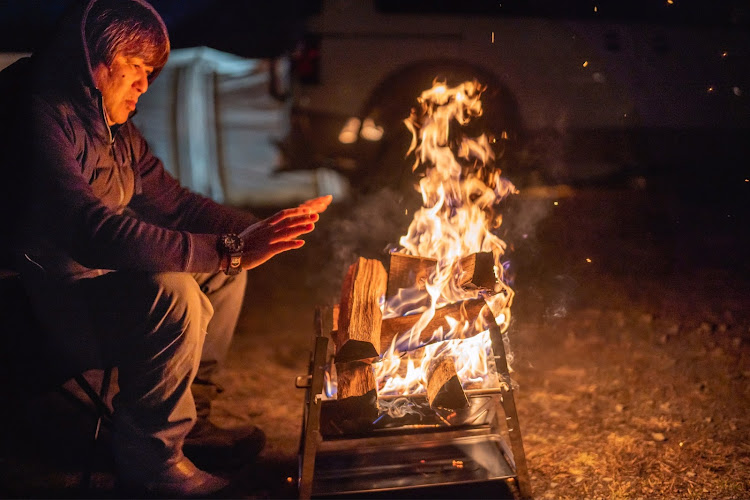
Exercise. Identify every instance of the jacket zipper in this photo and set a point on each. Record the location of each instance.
(112, 150)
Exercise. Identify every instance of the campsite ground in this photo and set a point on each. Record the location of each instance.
(630, 334)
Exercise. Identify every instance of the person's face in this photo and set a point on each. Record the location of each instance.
(121, 84)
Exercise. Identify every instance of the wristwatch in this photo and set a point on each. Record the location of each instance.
(231, 246)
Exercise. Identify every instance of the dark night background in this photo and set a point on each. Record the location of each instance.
(250, 29)
(632, 312)
(265, 29)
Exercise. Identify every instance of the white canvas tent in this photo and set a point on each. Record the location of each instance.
(215, 119)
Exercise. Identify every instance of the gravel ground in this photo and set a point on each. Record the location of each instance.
(631, 340)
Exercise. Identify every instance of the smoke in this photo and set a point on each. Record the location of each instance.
(368, 226)
(399, 407)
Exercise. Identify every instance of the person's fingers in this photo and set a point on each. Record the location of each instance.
(287, 245)
(258, 258)
(259, 239)
(294, 220)
(298, 220)
(306, 212)
(282, 246)
(318, 204)
(288, 213)
(288, 233)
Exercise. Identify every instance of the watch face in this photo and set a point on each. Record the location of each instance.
(232, 246)
(232, 243)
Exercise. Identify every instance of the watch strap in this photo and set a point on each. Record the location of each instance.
(230, 247)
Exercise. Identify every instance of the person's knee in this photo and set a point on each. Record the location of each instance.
(159, 365)
(179, 301)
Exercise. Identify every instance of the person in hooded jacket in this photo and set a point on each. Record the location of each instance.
(124, 266)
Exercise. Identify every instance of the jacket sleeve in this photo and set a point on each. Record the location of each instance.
(161, 199)
(65, 215)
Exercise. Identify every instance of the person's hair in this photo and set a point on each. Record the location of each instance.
(129, 28)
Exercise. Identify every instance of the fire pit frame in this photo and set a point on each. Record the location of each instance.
(312, 438)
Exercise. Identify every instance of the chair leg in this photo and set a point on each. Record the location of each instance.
(102, 412)
(98, 399)
(103, 393)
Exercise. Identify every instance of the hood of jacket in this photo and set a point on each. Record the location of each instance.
(64, 63)
(58, 77)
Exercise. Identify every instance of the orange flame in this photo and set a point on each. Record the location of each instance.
(460, 190)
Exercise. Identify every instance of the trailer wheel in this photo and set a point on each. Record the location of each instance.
(383, 163)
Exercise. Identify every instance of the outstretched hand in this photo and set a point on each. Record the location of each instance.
(317, 205)
(280, 232)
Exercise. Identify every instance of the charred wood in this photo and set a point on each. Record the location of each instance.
(443, 386)
(353, 415)
(356, 396)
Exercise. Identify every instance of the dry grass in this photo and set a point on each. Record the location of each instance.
(640, 389)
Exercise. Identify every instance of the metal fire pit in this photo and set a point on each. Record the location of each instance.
(427, 453)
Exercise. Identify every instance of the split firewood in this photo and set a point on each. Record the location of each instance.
(359, 318)
(468, 310)
(409, 271)
(460, 311)
(443, 386)
(499, 304)
(355, 378)
(479, 270)
(356, 405)
(335, 312)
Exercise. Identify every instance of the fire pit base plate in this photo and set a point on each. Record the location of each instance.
(413, 464)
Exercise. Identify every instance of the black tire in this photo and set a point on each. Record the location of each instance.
(384, 163)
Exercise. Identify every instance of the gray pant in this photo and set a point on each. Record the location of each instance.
(163, 331)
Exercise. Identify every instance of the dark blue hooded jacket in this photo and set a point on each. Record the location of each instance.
(78, 198)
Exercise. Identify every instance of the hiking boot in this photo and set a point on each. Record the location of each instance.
(180, 480)
(212, 447)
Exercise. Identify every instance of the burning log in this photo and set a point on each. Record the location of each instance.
(468, 310)
(355, 378)
(356, 405)
(408, 271)
(460, 311)
(498, 303)
(358, 334)
(443, 386)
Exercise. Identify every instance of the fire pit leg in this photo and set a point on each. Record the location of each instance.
(511, 415)
(311, 432)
